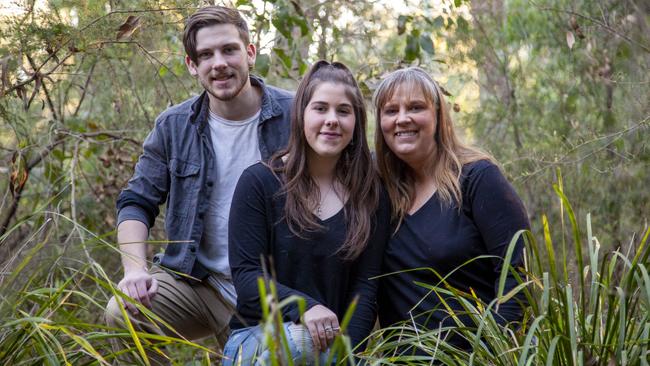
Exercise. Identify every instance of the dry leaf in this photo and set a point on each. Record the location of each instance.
(570, 39)
(456, 107)
(19, 174)
(128, 27)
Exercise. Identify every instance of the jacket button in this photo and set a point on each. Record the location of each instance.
(201, 215)
(210, 183)
(192, 249)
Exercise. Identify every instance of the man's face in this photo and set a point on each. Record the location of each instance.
(223, 61)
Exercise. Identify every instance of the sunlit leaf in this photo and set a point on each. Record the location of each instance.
(426, 44)
(570, 39)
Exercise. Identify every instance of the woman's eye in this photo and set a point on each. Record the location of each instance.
(390, 111)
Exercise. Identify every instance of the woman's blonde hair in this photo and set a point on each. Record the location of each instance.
(450, 153)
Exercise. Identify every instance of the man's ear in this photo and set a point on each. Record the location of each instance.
(251, 52)
(191, 66)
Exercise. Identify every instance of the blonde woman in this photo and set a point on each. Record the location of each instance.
(450, 204)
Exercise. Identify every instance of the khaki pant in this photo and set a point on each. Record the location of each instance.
(193, 311)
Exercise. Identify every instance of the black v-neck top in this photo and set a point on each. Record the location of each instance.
(439, 238)
(308, 267)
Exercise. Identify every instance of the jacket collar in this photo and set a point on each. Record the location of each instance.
(201, 106)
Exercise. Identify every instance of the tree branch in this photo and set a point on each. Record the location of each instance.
(85, 89)
(61, 136)
(597, 22)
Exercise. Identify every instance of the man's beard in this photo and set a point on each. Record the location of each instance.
(228, 96)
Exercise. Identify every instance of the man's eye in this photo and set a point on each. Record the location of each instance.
(230, 50)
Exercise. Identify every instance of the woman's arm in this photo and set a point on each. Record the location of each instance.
(499, 214)
(249, 241)
(369, 266)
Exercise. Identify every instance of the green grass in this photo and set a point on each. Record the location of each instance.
(587, 306)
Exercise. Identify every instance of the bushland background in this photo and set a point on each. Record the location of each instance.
(558, 91)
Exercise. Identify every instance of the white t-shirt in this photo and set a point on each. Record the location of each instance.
(236, 148)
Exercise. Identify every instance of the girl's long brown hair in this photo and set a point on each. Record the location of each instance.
(354, 169)
(450, 153)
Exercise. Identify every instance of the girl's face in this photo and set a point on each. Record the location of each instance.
(408, 124)
(329, 120)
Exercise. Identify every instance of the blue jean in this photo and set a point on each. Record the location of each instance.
(249, 346)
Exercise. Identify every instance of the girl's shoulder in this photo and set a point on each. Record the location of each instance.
(261, 173)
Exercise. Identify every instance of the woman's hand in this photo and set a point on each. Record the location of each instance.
(323, 325)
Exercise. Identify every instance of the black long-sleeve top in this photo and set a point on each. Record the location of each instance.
(441, 238)
(308, 267)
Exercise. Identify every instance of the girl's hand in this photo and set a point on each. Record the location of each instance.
(323, 325)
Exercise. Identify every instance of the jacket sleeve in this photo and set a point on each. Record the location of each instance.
(148, 187)
(249, 242)
(499, 214)
(369, 266)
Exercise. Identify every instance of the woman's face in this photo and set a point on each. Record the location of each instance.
(329, 120)
(408, 124)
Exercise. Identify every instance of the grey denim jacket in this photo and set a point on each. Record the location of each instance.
(178, 166)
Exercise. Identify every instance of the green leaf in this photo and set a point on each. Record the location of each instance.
(458, 3)
(623, 50)
(302, 23)
(462, 24)
(439, 22)
(412, 50)
(242, 2)
(58, 154)
(286, 60)
(401, 24)
(262, 64)
(302, 67)
(426, 44)
(162, 71)
(282, 22)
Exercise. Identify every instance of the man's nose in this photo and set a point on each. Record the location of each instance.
(218, 61)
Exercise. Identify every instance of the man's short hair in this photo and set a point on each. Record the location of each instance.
(209, 16)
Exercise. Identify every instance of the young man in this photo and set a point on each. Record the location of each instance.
(192, 159)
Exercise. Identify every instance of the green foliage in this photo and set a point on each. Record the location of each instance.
(603, 319)
(82, 82)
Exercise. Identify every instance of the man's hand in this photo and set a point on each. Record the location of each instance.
(137, 282)
(139, 285)
(323, 325)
